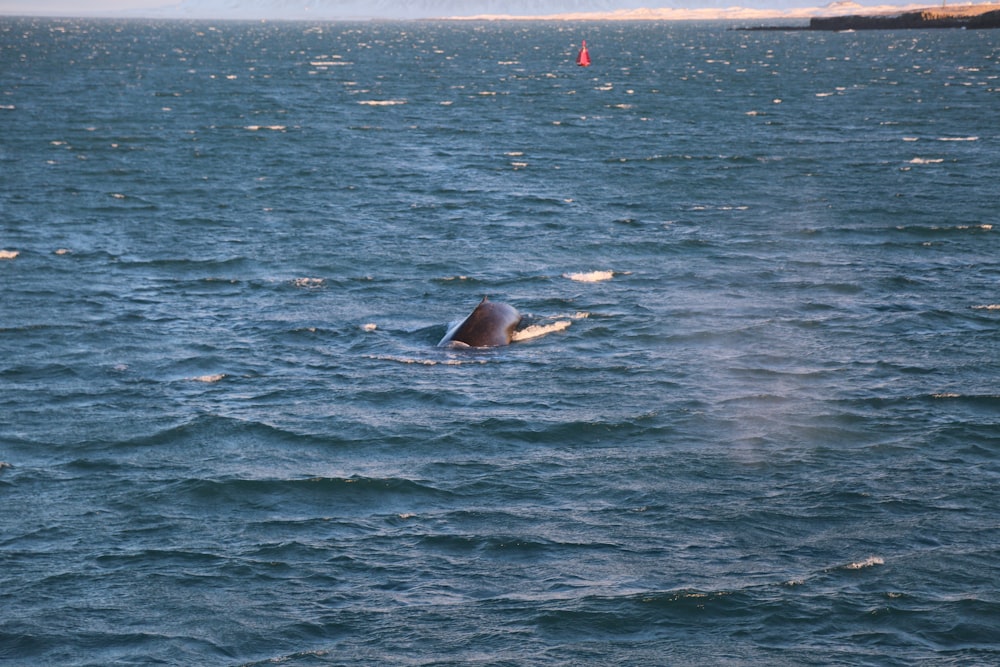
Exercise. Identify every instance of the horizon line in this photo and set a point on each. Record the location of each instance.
(734, 12)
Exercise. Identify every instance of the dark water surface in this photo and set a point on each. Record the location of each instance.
(756, 419)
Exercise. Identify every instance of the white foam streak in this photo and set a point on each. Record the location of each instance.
(208, 378)
(424, 362)
(536, 330)
(590, 277)
(868, 562)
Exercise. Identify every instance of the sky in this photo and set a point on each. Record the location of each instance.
(274, 9)
(71, 7)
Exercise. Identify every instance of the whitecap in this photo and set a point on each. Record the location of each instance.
(590, 277)
(537, 330)
(424, 362)
(921, 160)
(381, 103)
(868, 562)
(309, 283)
(9, 254)
(208, 378)
(369, 326)
(989, 306)
(958, 138)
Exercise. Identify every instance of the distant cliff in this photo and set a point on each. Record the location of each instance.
(966, 16)
(985, 16)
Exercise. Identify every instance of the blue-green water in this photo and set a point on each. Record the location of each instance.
(758, 422)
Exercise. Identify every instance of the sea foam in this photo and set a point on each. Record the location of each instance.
(424, 362)
(867, 562)
(590, 277)
(210, 379)
(537, 330)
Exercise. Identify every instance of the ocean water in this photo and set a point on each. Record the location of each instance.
(753, 416)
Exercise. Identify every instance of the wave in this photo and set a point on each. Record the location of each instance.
(928, 230)
(539, 330)
(184, 432)
(215, 264)
(425, 361)
(871, 561)
(983, 400)
(309, 283)
(209, 379)
(319, 494)
(590, 277)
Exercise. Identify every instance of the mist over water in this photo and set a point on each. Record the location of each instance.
(751, 416)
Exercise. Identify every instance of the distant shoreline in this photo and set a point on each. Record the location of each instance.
(973, 17)
(831, 17)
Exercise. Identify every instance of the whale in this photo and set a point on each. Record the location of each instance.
(491, 324)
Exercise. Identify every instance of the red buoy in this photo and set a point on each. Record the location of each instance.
(583, 58)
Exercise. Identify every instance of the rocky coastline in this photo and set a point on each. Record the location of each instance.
(971, 17)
